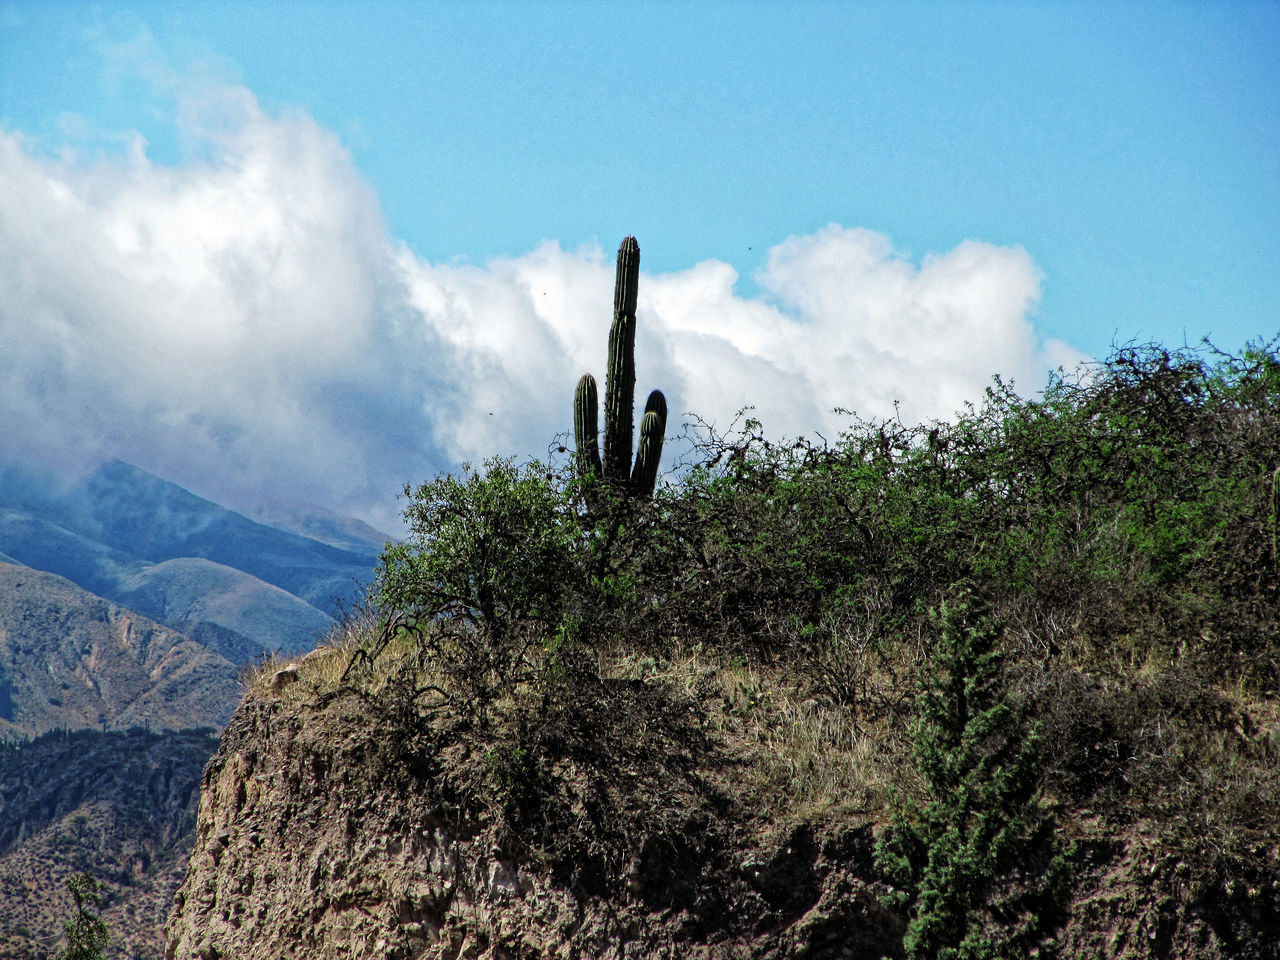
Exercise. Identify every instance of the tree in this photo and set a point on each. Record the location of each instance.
(978, 865)
(85, 932)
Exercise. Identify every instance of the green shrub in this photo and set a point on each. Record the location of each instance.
(978, 865)
(86, 934)
(485, 577)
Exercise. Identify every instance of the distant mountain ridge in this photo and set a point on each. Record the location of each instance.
(239, 585)
(156, 520)
(235, 613)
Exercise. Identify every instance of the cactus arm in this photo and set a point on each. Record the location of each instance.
(620, 384)
(653, 427)
(657, 403)
(586, 427)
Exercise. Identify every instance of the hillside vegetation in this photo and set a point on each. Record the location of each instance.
(120, 806)
(1033, 649)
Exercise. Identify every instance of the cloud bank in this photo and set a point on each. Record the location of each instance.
(244, 324)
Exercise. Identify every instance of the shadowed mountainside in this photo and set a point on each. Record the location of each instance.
(119, 805)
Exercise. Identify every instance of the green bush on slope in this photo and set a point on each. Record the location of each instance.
(86, 934)
(978, 865)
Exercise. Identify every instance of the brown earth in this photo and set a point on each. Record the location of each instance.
(336, 824)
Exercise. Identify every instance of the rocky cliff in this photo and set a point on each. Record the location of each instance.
(340, 821)
(338, 826)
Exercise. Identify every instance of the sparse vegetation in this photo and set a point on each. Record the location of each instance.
(119, 805)
(753, 638)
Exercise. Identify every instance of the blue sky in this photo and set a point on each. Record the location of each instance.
(1123, 159)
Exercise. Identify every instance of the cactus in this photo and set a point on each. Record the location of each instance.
(619, 397)
(620, 386)
(586, 427)
(653, 426)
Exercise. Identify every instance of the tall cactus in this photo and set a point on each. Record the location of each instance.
(586, 427)
(619, 397)
(620, 385)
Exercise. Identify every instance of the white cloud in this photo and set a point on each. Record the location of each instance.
(243, 324)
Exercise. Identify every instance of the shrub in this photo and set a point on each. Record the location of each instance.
(978, 864)
(86, 934)
(485, 577)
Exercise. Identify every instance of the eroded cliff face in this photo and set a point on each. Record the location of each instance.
(335, 822)
(332, 829)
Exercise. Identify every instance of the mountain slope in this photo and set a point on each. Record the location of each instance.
(234, 613)
(106, 526)
(72, 660)
(120, 805)
(189, 592)
(316, 523)
(156, 520)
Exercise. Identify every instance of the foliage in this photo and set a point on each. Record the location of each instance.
(978, 864)
(490, 565)
(86, 934)
(1125, 510)
(1120, 529)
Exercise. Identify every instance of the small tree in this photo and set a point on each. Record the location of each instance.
(85, 932)
(484, 575)
(978, 865)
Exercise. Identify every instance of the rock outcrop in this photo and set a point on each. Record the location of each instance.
(329, 829)
(336, 822)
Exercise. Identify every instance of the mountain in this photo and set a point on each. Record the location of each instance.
(120, 805)
(240, 586)
(110, 781)
(127, 607)
(316, 523)
(234, 613)
(156, 520)
(72, 660)
(200, 595)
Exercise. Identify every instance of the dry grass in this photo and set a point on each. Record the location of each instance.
(797, 755)
(794, 753)
(323, 669)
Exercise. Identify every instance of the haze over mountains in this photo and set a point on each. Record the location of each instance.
(236, 585)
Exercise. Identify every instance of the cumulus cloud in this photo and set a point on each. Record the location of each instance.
(243, 323)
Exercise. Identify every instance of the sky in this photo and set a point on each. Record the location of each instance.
(309, 252)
